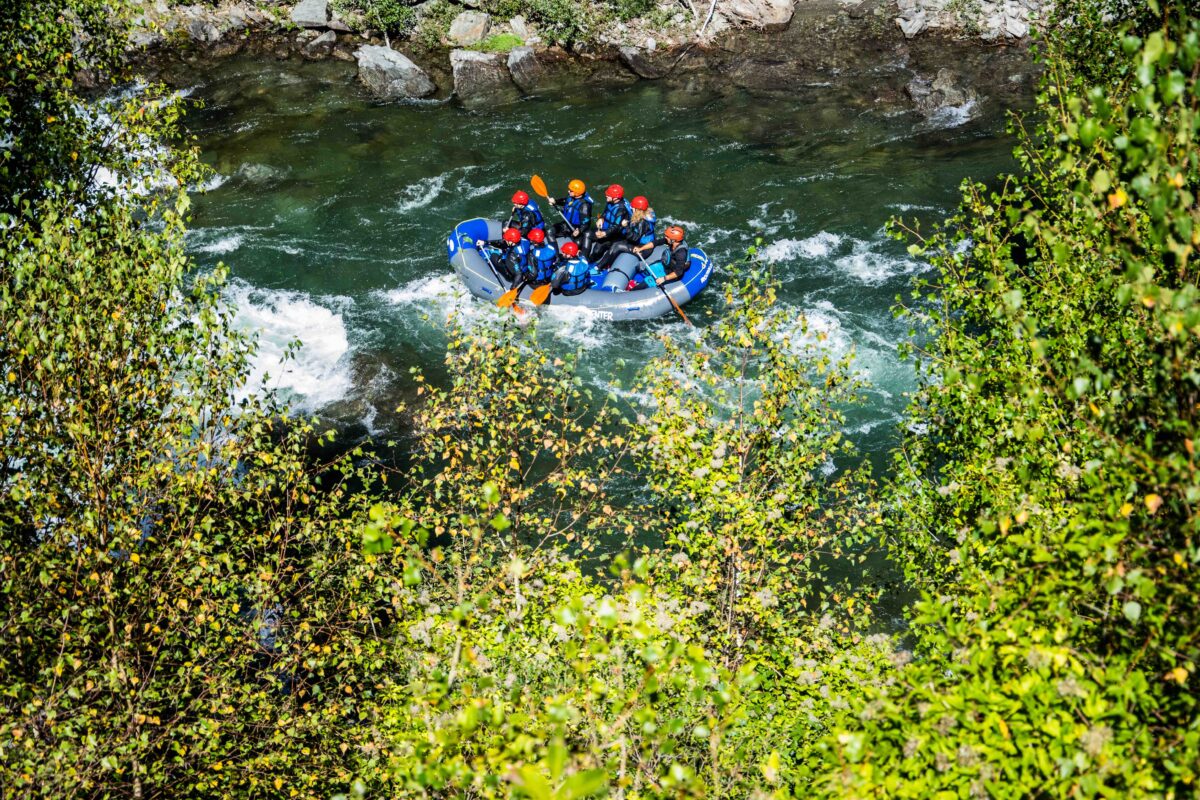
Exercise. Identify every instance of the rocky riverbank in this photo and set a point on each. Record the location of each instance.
(927, 55)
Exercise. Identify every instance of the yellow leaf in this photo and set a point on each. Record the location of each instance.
(1153, 503)
(1117, 199)
(1004, 728)
(1179, 675)
(134, 557)
(1126, 509)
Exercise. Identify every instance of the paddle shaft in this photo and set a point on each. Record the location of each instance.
(539, 187)
(666, 294)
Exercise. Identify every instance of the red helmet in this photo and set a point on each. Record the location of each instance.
(520, 198)
(614, 192)
(512, 235)
(537, 236)
(569, 249)
(640, 203)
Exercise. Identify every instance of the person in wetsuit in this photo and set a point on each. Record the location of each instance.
(638, 237)
(674, 263)
(610, 226)
(525, 216)
(576, 209)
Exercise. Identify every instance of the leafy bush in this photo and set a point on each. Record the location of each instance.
(389, 16)
(1049, 514)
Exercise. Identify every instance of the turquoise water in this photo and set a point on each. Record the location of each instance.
(332, 212)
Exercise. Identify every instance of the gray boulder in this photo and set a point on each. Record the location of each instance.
(391, 75)
(470, 27)
(520, 27)
(202, 31)
(944, 91)
(320, 47)
(481, 78)
(768, 15)
(311, 13)
(527, 71)
(142, 39)
(642, 63)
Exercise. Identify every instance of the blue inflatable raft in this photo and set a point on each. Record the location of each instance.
(609, 301)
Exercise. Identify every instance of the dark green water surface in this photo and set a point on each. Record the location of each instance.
(332, 211)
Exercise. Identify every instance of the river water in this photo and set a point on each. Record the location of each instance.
(332, 211)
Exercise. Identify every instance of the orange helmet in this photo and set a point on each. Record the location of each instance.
(576, 188)
(537, 236)
(640, 203)
(614, 192)
(674, 233)
(520, 198)
(512, 235)
(569, 249)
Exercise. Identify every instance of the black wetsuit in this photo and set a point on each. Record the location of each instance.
(675, 262)
(616, 217)
(636, 235)
(579, 211)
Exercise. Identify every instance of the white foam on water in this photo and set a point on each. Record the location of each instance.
(903, 207)
(225, 244)
(212, 184)
(818, 245)
(699, 235)
(576, 324)
(442, 295)
(491, 187)
(421, 193)
(950, 116)
(318, 373)
(867, 265)
(770, 222)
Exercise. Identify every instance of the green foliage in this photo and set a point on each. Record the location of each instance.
(744, 429)
(499, 43)
(186, 608)
(435, 23)
(52, 143)
(1048, 514)
(389, 16)
(194, 605)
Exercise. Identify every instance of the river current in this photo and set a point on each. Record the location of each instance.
(331, 211)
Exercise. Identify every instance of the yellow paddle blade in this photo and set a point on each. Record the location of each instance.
(508, 298)
(539, 186)
(540, 294)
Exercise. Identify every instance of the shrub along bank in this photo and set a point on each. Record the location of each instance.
(193, 606)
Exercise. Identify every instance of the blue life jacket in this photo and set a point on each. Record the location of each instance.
(642, 232)
(543, 259)
(615, 214)
(529, 217)
(518, 254)
(578, 275)
(573, 210)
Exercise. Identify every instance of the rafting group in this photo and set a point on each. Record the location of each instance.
(526, 253)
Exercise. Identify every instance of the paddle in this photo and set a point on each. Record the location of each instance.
(539, 187)
(540, 294)
(510, 297)
(661, 289)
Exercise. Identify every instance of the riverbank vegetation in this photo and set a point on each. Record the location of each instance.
(565, 595)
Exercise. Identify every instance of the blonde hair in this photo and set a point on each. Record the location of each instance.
(639, 215)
